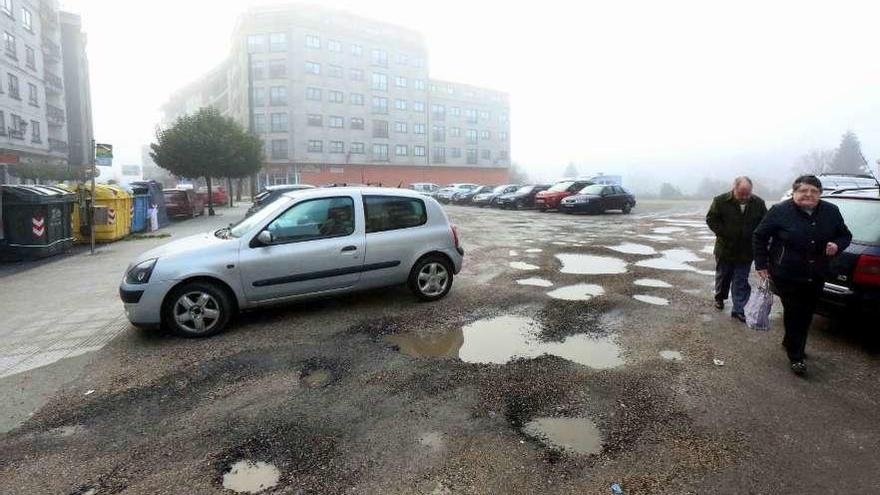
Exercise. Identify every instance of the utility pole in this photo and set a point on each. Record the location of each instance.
(92, 204)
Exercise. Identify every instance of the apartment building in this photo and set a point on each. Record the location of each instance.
(77, 90)
(341, 98)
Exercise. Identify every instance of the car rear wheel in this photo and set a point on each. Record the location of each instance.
(431, 278)
(627, 208)
(197, 309)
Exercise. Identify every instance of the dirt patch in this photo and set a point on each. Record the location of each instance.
(561, 319)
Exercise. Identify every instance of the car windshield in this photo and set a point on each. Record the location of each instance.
(861, 217)
(499, 189)
(595, 189)
(561, 186)
(525, 189)
(248, 223)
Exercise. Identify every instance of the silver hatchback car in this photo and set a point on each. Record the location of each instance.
(307, 243)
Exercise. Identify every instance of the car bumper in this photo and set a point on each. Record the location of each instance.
(837, 300)
(576, 207)
(143, 302)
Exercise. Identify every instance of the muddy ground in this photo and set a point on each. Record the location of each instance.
(376, 393)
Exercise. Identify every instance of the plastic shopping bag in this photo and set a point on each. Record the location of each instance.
(758, 307)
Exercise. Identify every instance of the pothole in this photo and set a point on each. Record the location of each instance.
(251, 477)
(657, 301)
(578, 292)
(316, 378)
(632, 248)
(534, 250)
(585, 264)
(652, 282)
(535, 282)
(571, 435)
(520, 265)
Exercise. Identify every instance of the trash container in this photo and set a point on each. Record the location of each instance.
(157, 198)
(140, 204)
(112, 213)
(36, 221)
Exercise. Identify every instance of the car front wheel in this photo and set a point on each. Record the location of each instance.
(627, 208)
(197, 309)
(431, 278)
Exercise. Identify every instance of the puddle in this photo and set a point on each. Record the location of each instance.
(706, 272)
(251, 477)
(659, 301)
(578, 292)
(535, 282)
(519, 265)
(573, 435)
(560, 243)
(652, 282)
(501, 339)
(688, 223)
(656, 237)
(317, 378)
(585, 264)
(534, 250)
(630, 248)
(667, 230)
(706, 237)
(671, 355)
(673, 259)
(512, 253)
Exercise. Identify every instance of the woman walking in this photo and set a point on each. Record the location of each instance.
(793, 245)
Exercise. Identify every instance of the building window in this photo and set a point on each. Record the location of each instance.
(279, 122)
(438, 155)
(470, 115)
(471, 136)
(418, 150)
(335, 71)
(334, 46)
(357, 123)
(419, 84)
(258, 69)
(13, 87)
(486, 154)
(485, 135)
(278, 42)
(438, 112)
(455, 131)
(259, 97)
(337, 122)
(502, 155)
(418, 128)
(471, 157)
(502, 119)
(315, 120)
(439, 133)
(418, 106)
(313, 41)
(7, 7)
(2, 124)
(313, 68)
(279, 148)
(502, 136)
(16, 130)
(418, 62)
(380, 128)
(10, 45)
(433, 88)
(278, 95)
(259, 123)
(35, 132)
(30, 58)
(484, 115)
(32, 95)
(400, 127)
(400, 104)
(380, 152)
(380, 81)
(277, 69)
(337, 147)
(402, 59)
(256, 43)
(357, 50)
(455, 111)
(313, 94)
(380, 58)
(316, 146)
(356, 75)
(455, 152)
(400, 82)
(26, 20)
(380, 104)
(356, 148)
(401, 150)
(335, 97)
(357, 99)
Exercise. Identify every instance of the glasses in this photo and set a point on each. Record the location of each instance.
(807, 191)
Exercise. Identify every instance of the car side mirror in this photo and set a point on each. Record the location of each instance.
(265, 237)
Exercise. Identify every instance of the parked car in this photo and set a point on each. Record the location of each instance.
(852, 287)
(271, 193)
(598, 198)
(467, 197)
(445, 194)
(491, 197)
(183, 203)
(426, 188)
(524, 197)
(218, 195)
(550, 199)
(309, 243)
(834, 182)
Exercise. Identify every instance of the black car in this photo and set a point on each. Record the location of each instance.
(599, 198)
(852, 287)
(490, 198)
(467, 197)
(271, 193)
(524, 197)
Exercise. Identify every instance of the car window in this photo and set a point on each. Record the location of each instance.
(393, 212)
(595, 189)
(861, 218)
(314, 219)
(562, 186)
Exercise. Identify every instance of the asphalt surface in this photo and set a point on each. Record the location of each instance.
(377, 393)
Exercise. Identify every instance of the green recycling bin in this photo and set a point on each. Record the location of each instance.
(36, 221)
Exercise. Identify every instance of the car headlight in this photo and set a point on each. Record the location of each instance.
(579, 199)
(140, 273)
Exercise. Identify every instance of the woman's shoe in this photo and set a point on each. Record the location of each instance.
(799, 368)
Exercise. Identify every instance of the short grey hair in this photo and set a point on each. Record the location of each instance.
(739, 180)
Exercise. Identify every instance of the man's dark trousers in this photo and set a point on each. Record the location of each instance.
(730, 275)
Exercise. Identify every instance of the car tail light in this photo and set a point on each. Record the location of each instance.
(455, 235)
(867, 270)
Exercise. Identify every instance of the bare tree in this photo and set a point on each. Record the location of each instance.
(815, 162)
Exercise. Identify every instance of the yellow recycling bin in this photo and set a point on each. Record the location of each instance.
(113, 209)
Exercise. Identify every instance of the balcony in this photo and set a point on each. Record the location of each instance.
(57, 145)
(55, 115)
(53, 82)
(51, 50)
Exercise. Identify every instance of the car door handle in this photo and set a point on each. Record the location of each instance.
(349, 248)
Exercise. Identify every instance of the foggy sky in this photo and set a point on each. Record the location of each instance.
(653, 90)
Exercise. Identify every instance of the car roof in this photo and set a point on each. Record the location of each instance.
(292, 187)
(335, 191)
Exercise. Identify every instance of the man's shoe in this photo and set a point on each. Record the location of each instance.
(799, 368)
(719, 305)
(738, 316)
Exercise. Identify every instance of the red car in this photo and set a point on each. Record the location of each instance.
(183, 203)
(218, 195)
(550, 199)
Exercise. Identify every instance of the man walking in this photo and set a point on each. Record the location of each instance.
(733, 218)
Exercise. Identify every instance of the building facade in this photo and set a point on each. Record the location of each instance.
(77, 90)
(340, 98)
